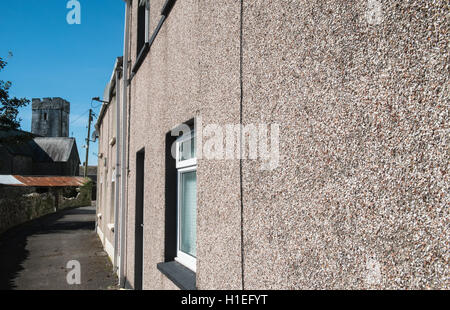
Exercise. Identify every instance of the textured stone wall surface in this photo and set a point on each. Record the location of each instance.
(106, 193)
(21, 204)
(159, 101)
(82, 198)
(360, 92)
(50, 117)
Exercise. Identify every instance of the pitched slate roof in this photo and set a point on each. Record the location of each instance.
(53, 149)
(41, 149)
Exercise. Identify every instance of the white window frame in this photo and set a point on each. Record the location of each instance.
(184, 166)
(186, 162)
(146, 5)
(147, 21)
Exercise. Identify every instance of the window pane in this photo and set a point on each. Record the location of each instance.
(188, 216)
(187, 149)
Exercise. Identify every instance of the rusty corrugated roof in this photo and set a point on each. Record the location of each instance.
(50, 181)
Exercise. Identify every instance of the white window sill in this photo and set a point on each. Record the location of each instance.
(187, 261)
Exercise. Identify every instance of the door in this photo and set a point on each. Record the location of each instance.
(139, 230)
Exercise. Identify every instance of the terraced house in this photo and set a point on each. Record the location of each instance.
(278, 145)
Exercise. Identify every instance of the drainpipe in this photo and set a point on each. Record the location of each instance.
(117, 229)
(123, 145)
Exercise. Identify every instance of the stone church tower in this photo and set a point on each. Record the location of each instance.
(50, 117)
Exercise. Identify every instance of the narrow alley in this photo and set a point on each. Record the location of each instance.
(35, 255)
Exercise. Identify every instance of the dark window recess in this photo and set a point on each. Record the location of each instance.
(140, 28)
(181, 276)
(171, 193)
(45, 116)
(170, 216)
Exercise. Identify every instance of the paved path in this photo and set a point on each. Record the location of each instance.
(34, 255)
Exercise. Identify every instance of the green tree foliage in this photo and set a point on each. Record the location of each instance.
(9, 109)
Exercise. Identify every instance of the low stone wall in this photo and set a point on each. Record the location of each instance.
(83, 197)
(22, 204)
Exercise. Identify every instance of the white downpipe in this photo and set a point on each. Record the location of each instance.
(124, 146)
(117, 228)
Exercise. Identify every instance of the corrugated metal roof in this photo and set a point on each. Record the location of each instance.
(50, 181)
(9, 180)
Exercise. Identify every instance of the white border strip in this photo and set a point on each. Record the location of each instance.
(109, 249)
(100, 235)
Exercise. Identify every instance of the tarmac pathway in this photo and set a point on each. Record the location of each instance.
(34, 255)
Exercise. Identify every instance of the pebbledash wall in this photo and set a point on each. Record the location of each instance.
(360, 92)
(106, 170)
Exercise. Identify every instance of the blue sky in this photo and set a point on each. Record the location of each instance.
(54, 59)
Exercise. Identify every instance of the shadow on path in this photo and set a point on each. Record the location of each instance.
(34, 255)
